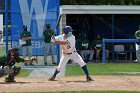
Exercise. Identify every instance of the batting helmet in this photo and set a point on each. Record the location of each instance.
(67, 29)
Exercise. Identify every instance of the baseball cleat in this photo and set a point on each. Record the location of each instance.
(45, 63)
(9, 80)
(136, 61)
(89, 78)
(52, 78)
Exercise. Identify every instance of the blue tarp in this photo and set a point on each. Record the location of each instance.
(35, 14)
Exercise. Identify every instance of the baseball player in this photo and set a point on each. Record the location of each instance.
(48, 46)
(7, 64)
(137, 45)
(67, 43)
(26, 36)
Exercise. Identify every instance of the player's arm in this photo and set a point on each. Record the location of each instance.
(22, 37)
(137, 35)
(29, 37)
(61, 42)
(56, 40)
(19, 59)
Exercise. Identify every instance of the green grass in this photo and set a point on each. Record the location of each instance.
(97, 69)
(104, 69)
(24, 72)
(2, 51)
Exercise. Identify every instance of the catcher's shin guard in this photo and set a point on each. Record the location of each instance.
(16, 70)
(1, 72)
(11, 76)
(9, 79)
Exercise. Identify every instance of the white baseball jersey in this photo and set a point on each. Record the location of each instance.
(68, 52)
(71, 43)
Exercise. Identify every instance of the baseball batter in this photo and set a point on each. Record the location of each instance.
(67, 43)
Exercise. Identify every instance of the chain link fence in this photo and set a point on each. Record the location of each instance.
(2, 31)
(2, 44)
(3, 39)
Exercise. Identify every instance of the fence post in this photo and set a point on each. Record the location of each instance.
(103, 51)
(6, 25)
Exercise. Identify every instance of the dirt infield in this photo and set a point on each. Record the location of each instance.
(73, 83)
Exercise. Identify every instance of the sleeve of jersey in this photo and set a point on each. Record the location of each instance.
(58, 38)
(18, 59)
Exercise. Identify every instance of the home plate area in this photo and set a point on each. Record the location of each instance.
(71, 83)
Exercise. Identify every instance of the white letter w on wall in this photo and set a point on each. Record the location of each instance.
(27, 10)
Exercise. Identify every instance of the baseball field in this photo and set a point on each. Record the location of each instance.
(108, 78)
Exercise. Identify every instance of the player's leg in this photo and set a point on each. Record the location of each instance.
(78, 59)
(88, 78)
(107, 55)
(46, 52)
(86, 56)
(82, 54)
(137, 53)
(15, 70)
(63, 61)
(52, 53)
(91, 53)
(98, 54)
(30, 54)
(24, 52)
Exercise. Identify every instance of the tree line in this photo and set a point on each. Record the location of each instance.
(100, 2)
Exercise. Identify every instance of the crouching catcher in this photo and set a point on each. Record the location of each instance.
(7, 64)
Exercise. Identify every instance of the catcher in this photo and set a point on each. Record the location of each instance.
(7, 64)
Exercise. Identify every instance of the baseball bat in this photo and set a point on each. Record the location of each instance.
(58, 21)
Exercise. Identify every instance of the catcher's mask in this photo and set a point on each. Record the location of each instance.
(14, 50)
(67, 29)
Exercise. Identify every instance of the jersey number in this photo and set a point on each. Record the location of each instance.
(68, 47)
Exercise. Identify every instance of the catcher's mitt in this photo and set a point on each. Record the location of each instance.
(31, 59)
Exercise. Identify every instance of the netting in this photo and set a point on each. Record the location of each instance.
(2, 44)
(2, 5)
